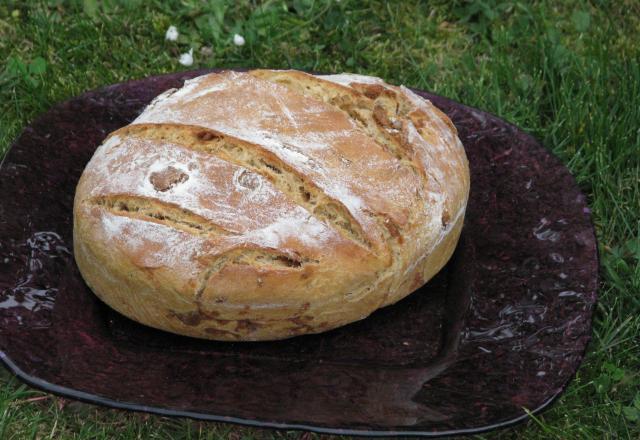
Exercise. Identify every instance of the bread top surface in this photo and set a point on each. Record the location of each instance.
(342, 179)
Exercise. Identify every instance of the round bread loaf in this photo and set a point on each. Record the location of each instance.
(269, 204)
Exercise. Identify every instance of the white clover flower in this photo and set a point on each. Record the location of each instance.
(172, 34)
(238, 40)
(186, 59)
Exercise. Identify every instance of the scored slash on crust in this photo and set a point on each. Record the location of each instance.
(260, 161)
(259, 258)
(156, 211)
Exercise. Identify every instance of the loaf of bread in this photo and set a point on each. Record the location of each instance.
(268, 204)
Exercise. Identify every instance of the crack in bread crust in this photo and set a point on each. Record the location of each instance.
(156, 211)
(261, 161)
(255, 257)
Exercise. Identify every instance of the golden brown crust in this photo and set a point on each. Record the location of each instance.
(268, 204)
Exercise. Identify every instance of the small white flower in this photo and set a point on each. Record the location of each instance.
(172, 34)
(186, 59)
(238, 40)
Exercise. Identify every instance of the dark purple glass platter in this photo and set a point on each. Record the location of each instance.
(501, 329)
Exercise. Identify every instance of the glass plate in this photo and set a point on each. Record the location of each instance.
(501, 329)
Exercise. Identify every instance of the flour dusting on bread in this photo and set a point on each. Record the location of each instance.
(269, 204)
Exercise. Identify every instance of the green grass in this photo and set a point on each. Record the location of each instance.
(566, 71)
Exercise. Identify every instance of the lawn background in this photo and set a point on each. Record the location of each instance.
(565, 71)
